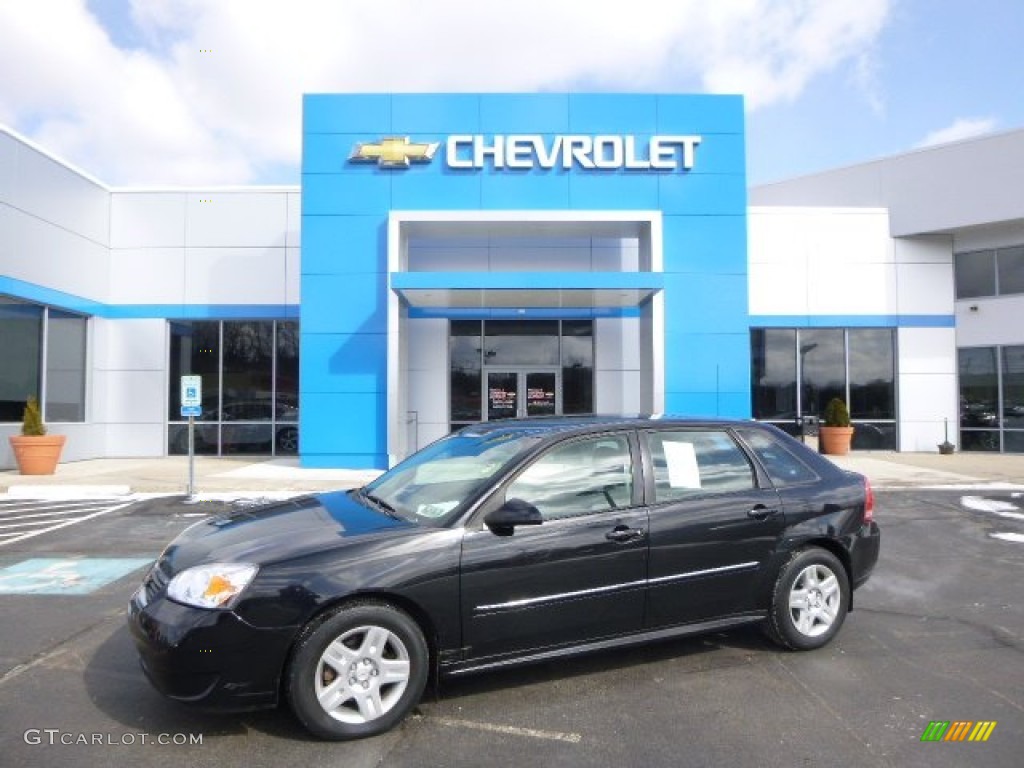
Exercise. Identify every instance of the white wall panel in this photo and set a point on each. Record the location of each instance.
(123, 345)
(845, 237)
(147, 276)
(924, 437)
(617, 344)
(618, 392)
(534, 259)
(235, 275)
(777, 289)
(927, 350)
(293, 234)
(132, 397)
(252, 219)
(136, 440)
(147, 219)
(924, 249)
(428, 395)
(293, 276)
(925, 400)
(924, 289)
(775, 236)
(851, 289)
(50, 191)
(996, 321)
(448, 258)
(427, 341)
(618, 256)
(428, 432)
(8, 152)
(54, 257)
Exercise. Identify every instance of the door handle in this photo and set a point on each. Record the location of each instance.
(761, 512)
(623, 534)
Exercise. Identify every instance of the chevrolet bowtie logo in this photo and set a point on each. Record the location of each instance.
(393, 152)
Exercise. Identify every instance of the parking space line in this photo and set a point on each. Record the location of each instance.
(66, 523)
(23, 507)
(533, 733)
(5, 518)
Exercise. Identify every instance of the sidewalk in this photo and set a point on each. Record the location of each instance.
(241, 476)
(246, 476)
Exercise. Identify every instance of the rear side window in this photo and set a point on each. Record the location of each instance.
(782, 466)
(696, 463)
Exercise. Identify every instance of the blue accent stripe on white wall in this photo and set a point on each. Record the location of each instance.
(20, 289)
(852, 321)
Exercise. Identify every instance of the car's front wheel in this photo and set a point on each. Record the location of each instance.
(810, 602)
(358, 671)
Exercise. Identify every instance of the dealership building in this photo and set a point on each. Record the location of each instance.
(458, 257)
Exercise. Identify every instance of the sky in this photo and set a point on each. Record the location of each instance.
(208, 92)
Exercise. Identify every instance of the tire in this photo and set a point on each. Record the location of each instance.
(810, 600)
(357, 672)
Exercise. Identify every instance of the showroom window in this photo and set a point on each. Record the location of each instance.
(250, 373)
(796, 371)
(992, 272)
(44, 355)
(991, 398)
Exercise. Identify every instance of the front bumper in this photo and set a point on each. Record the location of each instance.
(211, 658)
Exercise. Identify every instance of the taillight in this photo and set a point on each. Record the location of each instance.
(869, 502)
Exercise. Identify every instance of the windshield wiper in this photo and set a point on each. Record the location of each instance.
(378, 502)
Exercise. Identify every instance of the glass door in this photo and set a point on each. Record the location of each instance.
(517, 394)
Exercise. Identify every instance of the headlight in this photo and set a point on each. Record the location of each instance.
(211, 586)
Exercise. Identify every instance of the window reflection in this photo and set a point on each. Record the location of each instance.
(872, 374)
(773, 357)
(250, 373)
(21, 333)
(1011, 270)
(826, 363)
(979, 387)
(1013, 387)
(823, 369)
(975, 274)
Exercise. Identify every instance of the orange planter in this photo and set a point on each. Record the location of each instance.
(37, 455)
(835, 441)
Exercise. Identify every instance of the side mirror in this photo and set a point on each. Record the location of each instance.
(512, 513)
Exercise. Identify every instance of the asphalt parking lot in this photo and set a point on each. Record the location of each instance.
(937, 634)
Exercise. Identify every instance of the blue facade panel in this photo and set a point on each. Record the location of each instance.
(345, 207)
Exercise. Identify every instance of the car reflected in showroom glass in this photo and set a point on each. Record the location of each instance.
(504, 543)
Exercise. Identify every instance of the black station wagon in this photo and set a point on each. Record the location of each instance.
(506, 542)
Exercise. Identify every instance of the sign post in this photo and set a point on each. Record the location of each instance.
(191, 406)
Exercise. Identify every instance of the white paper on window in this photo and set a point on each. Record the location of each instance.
(681, 459)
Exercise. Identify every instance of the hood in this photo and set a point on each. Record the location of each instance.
(280, 531)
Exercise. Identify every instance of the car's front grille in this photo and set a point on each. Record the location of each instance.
(157, 580)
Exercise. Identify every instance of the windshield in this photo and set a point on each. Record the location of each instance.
(434, 482)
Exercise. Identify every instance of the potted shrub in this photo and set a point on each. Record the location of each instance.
(36, 452)
(836, 433)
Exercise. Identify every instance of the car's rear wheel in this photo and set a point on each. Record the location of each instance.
(357, 672)
(810, 601)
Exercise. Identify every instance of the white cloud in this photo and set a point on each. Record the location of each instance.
(961, 128)
(170, 112)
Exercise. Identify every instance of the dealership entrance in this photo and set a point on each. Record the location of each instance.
(518, 394)
(506, 369)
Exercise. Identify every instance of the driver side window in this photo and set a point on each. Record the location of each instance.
(578, 478)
